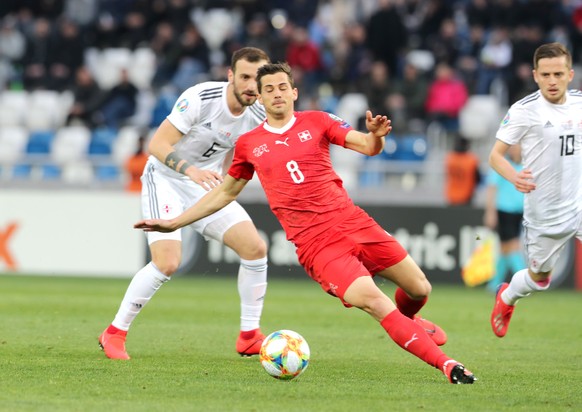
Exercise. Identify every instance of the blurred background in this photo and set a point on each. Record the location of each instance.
(85, 83)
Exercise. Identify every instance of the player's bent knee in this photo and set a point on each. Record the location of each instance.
(167, 266)
(253, 250)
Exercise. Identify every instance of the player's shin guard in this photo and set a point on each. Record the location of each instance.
(142, 287)
(406, 305)
(411, 337)
(252, 286)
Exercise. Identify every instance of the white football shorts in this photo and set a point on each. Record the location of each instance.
(164, 197)
(543, 244)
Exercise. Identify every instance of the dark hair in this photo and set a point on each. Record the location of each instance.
(272, 68)
(250, 54)
(549, 50)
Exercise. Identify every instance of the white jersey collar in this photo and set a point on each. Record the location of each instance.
(281, 130)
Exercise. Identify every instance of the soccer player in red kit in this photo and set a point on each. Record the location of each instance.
(338, 244)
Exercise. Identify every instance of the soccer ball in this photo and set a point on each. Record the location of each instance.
(284, 354)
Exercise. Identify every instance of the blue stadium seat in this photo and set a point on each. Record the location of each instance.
(39, 142)
(107, 172)
(21, 171)
(102, 141)
(50, 172)
(390, 148)
(412, 147)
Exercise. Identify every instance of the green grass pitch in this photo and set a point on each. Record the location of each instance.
(183, 356)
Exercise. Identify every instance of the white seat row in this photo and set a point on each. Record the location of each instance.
(36, 110)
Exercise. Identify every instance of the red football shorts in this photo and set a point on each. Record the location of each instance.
(352, 249)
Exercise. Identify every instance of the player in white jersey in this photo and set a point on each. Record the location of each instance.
(190, 152)
(548, 125)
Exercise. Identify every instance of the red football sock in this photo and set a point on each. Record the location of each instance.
(405, 304)
(411, 337)
(113, 330)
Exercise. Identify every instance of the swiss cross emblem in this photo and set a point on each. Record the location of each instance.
(304, 136)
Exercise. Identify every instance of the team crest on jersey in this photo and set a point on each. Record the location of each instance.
(505, 119)
(166, 208)
(344, 124)
(258, 151)
(568, 125)
(182, 105)
(304, 136)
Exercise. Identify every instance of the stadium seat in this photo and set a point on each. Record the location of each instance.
(480, 117)
(13, 140)
(71, 144)
(126, 144)
(50, 172)
(107, 173)
(351, 107)
(142, 69)
(21, 171)
(80, 173)
(412, 148)
(423, 60)
(13, 107)
(42, 112)
(101, 141)
(107, 64)
(39, 142)
(215, 25)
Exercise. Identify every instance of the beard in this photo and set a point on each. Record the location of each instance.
(240, 97)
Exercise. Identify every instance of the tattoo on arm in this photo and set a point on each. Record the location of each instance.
(175, 162)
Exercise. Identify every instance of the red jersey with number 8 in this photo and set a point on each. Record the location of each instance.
(294, 166)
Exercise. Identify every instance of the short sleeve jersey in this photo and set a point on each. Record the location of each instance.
(210, 129)
(551, 142)
(294, 166)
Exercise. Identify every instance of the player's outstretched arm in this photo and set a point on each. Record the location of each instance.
(213, 201)
(371, 143)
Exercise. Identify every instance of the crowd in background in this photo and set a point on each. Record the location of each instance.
(415, 60)
(350, 45)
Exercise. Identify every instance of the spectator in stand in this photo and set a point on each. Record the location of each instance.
(495, 58)
(258, 34)
(435, 12)
(12, 47)
(522, 82)
(405, 103)
(376, 88)
(36, 57)
(87, 97)
(119, 103)
(192, 59)
(469, 58)
(135, 165)
(445, 45)
(66, 54)
(133, 30)
(303, 56)
(479, 13)
(462, 174)
(164, 45)
(347, 60)
(446, 96)
(386, 35)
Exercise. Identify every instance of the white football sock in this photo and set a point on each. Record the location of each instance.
(142, 287)
(521, 285)
(252, 285)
